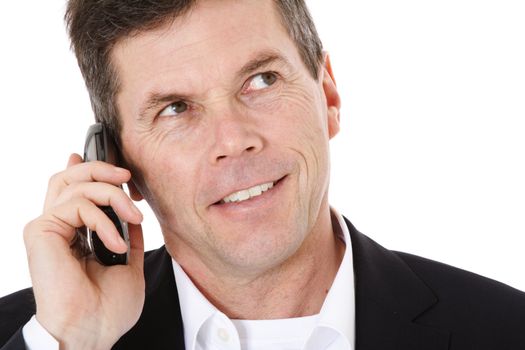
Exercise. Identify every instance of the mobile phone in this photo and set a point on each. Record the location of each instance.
(100, 145)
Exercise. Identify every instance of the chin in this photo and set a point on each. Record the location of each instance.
(261, 250)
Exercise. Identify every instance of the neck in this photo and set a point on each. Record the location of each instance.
(295, 288)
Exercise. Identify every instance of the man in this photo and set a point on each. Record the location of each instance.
(222, 111)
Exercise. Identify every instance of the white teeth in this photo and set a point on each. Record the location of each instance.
(255, 191)
(243, 195)
(248, 193)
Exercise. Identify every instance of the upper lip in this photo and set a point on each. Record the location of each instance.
(243, 186)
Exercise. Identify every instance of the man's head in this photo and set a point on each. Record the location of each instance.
(96, 26)
(216, 106)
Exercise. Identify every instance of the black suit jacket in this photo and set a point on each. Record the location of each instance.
(403, 302)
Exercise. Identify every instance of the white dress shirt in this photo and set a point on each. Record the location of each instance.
(205, 327)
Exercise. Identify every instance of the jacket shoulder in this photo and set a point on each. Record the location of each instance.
(15, 311)
(452, 281)
(472, 306)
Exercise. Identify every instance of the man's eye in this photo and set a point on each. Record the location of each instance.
(261, 81)
(174, 109)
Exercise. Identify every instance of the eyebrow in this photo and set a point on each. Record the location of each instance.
(262, 59)
(156, 99)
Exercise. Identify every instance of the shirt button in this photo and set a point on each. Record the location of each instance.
(223, 334)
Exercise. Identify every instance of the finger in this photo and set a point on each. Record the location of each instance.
(92, 171)
(65, 218)
(85, 172)
(74, 159)
(102, 194)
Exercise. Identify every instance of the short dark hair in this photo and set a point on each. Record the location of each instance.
(95, 26)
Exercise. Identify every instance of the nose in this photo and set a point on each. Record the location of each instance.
(235, 135)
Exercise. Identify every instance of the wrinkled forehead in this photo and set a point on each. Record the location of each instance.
(214, 39)
(210, 26)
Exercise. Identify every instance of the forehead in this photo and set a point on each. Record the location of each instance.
(215, 37)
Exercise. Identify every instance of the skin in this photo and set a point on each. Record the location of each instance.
(96, 303)
(235, 133)
(258, 259)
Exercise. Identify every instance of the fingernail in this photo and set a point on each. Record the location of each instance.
(121, 244)
(136, 211)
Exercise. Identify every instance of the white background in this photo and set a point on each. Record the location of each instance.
(429, 159)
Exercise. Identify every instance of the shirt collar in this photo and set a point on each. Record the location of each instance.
(337, 314)
(195, 308)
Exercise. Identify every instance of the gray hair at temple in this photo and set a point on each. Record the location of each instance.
(95, 26)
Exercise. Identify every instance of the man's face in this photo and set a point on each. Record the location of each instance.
(220, 102)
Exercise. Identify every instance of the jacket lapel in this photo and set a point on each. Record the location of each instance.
(389, 297)
(160, 324)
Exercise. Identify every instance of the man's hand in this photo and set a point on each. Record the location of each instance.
(81, 303)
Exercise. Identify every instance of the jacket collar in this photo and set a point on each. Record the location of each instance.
(160, 324)
(389, 299)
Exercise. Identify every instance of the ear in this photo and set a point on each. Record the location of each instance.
(333, 101)
(134, 191)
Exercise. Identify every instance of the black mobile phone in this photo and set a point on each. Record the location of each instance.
(101, 146)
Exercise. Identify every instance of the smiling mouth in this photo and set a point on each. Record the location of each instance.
(248, 193)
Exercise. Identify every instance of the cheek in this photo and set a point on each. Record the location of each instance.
(170, 183)
(302, 121)
(169, 171)
(304, 130)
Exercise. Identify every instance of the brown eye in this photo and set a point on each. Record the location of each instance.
(262, 81)
(268, 78)
(174, 109)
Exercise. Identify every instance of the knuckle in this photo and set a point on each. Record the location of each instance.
(29, 228)
(95, 192)
(116, 192)
(96, 166)
(55, 179)
(118, 198)
(78, 203)
(42, 225)
(73, 190)
(107, 192)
